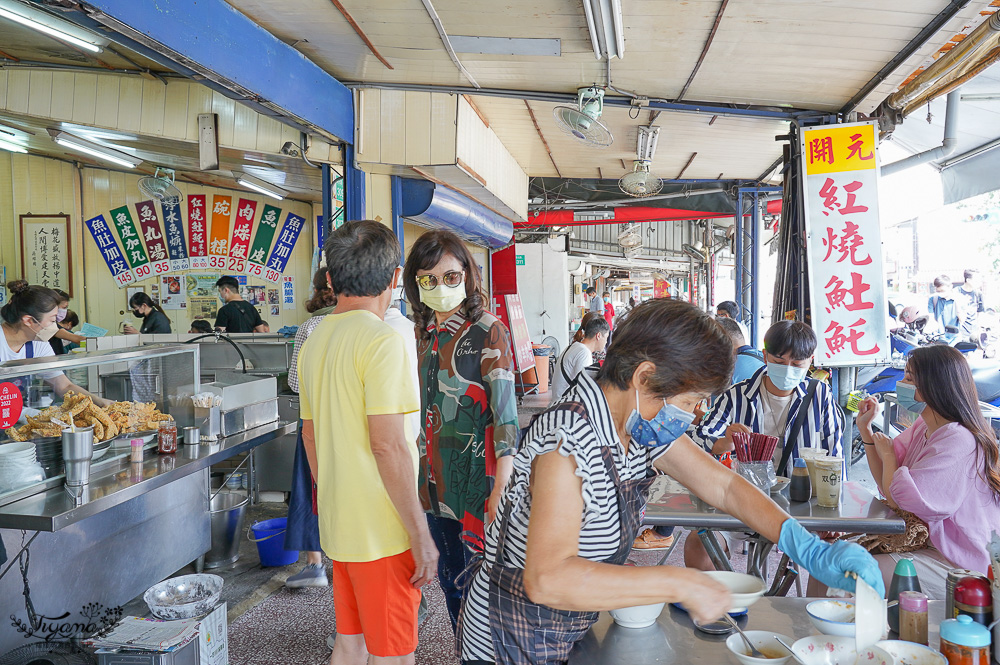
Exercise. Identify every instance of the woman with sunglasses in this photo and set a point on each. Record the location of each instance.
(468, 408)
(567, 520)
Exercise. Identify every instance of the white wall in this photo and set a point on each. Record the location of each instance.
(543, 283)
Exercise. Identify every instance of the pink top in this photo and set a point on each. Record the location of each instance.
(940, 481)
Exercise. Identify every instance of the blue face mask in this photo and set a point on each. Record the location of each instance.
(786, 377)
(906, 397)
(667, 425)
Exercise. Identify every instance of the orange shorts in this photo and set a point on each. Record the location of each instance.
(375, 599)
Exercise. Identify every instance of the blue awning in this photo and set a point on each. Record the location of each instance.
(435, 206)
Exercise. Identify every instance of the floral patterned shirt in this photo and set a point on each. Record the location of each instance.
(468, 415)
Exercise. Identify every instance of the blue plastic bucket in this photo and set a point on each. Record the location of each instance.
(270, 547)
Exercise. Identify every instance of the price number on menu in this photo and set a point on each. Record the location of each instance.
(199, 262)
(124, 278)
(236, 265)
(142, 272)
(255, 270)
(217, 262)
(272, 275)
(178, 264)
(161, 267)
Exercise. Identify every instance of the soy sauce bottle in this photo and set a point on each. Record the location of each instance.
(801, 488)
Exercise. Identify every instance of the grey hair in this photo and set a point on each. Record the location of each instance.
(361, 257)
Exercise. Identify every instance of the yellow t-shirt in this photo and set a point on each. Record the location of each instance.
(353, 366)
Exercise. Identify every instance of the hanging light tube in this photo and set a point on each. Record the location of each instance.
(11, 147)
(604, 21)
(37, 20)
(260, 186)
(94, 150)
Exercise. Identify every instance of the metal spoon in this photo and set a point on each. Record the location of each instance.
(754, 652)
(789, 649)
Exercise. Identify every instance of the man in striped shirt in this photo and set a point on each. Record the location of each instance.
(769, 403)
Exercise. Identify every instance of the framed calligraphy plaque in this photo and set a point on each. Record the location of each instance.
(45, 253)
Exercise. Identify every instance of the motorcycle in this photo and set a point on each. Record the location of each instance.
(904, 340)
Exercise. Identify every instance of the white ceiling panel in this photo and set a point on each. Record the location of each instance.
(735, 147)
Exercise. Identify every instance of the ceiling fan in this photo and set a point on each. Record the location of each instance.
(640, 182)
(582, 121)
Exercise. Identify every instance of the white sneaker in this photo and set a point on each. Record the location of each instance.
(312, 575)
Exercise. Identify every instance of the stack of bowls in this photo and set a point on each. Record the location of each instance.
(48, 450)
(18, 465)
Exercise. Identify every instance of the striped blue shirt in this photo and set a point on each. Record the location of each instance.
(741, 404)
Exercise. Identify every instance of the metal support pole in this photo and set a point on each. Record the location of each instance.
(709, 266)
(354, 186)
(738, 251)
(327, 202)
(396, 184)
(755, 270)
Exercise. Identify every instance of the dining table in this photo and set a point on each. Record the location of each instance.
(670, 503)
(674, 638)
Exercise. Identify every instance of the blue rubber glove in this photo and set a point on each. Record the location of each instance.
(828, 562)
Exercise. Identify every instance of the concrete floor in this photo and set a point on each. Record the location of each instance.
(271, 624)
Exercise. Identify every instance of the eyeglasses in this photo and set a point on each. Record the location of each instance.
(451, 278)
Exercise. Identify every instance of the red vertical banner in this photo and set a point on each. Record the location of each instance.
(239, 243)
(152, 235)
(197, 232)
(218, 239)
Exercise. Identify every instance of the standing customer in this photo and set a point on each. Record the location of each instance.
(354, 397)
(971, 295)
(609, 311)
(154, 319)
(469, 414)
(302, 532)
(236, 315)
(596, 304)
(944, 469)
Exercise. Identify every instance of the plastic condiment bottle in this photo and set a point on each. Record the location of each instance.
(904, 578)
(801, 488)
(913, 617)
(136, 450)
(974, 598)
(965, 642)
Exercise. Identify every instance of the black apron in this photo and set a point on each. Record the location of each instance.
(526, 633)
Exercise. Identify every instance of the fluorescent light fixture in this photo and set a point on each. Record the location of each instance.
(261, 186)
(11, 147)
(604, 21)
(50, 25)
(646, 146)
(95, 150)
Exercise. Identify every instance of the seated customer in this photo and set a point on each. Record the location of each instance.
(748, 359)
(943, 469)
(769, 403)
(591, 337)
(727, 309)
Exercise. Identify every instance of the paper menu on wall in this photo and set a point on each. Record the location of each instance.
(90, 330)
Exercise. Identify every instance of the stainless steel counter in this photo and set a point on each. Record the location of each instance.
(112, 484)
(671, 504)
(674, 639)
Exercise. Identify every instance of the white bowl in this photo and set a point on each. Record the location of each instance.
(833, 617)
(745, 589)
(638, 616)
(830, 650)
(909, 653)
(765, 641)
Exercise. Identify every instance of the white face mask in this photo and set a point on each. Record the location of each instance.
(444, 298)
(46, 333)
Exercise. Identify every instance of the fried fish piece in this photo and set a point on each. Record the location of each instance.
(14, 434)
(98, 427)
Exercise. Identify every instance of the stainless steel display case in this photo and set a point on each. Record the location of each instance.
(166, 375)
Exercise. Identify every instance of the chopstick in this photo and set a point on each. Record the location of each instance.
(754, 447)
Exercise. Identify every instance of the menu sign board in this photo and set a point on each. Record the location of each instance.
(229, 244)
(847, 282)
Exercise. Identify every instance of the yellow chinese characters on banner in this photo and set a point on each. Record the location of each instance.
(846, 277)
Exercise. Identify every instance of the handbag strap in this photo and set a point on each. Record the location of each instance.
(800, 419)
